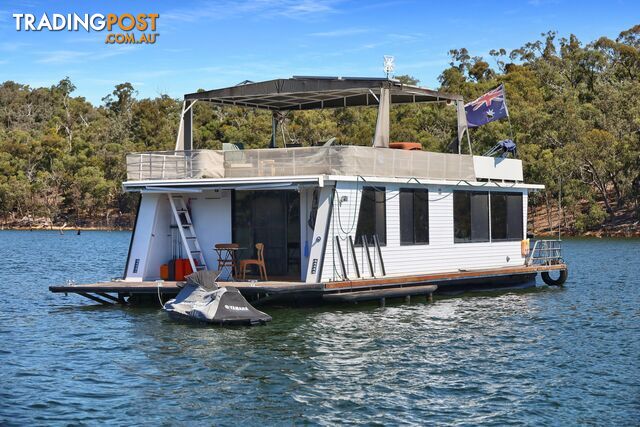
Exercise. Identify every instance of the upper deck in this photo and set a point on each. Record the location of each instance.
(345, 161)
(187, 166)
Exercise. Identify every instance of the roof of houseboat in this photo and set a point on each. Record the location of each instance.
(308, 93)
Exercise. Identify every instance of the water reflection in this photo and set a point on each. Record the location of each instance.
(529, 357)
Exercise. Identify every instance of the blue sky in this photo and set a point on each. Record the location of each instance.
(210, 44)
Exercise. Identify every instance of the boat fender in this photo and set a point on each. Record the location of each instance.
(524, 247)
(555, 282)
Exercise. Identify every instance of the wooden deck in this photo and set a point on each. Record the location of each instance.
(293, 292)
(441, 277)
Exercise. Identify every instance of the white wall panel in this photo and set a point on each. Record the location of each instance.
(142, 237)
(211, 215)
(160, 243)
(440, 255)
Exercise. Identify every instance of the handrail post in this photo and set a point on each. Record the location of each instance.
(365, 247)
(353, 255)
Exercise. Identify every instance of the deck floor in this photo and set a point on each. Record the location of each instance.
(282, 288)
(169, 286)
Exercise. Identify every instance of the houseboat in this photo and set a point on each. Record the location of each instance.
(328, 222)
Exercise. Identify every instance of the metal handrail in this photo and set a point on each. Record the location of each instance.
(545, 252)
(333, 160)
(160, 165)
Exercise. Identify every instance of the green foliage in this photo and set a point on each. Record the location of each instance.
(592, 218)
(574, 110)
(575, 114)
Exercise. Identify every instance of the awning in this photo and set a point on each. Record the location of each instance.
(308, 93)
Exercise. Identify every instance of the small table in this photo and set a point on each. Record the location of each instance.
(227, 259)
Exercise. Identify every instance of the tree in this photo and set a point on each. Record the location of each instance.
(573, 106)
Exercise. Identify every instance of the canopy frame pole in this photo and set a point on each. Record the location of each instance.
(274, 129)
(179, 140)
(381, 136)
(462, 126)
(184, 139)
(188, 126)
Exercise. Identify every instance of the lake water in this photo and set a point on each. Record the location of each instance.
(545, 357)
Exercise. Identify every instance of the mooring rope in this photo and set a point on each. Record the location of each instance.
(159, 297)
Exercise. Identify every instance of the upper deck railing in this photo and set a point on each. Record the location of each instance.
(335, 160)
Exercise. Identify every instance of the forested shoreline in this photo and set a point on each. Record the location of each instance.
(574, 113)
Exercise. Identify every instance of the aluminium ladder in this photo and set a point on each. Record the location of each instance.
(187, 232)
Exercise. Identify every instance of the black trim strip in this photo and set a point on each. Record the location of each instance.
(341, 258)
(355, 259)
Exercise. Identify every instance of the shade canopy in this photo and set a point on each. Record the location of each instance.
(309, 93)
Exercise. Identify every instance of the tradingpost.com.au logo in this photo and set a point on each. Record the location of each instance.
(119, 27)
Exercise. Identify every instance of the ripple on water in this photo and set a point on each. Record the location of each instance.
(549, 356)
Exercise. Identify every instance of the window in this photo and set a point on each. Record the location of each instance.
(414, 217)
(506, 216)
(372, 216)
(470, 216)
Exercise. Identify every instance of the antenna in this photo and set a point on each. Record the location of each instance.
(389, 66)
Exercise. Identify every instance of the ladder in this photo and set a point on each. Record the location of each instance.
(187, 232)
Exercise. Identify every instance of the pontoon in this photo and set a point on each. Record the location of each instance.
(337, 222)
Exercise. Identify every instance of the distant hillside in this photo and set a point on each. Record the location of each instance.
(574, 113)
(624, 223)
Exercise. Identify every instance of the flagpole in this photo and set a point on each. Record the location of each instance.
(510, 128)
(504, 90)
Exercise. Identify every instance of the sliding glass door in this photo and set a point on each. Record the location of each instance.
(272, 218)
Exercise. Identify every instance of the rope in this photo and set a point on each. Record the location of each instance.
(353, 219)
(159, 297)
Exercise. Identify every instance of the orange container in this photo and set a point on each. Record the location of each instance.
(183, 268)
(187, 267)
(164, 271)
(180, 270)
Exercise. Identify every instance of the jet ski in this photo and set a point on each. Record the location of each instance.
(201, 299)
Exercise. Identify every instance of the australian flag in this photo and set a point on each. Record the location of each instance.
(489, 107)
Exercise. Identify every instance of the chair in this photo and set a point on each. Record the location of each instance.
(259, 262)
(227, 256)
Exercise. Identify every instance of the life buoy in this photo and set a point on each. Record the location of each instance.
(555, 282)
